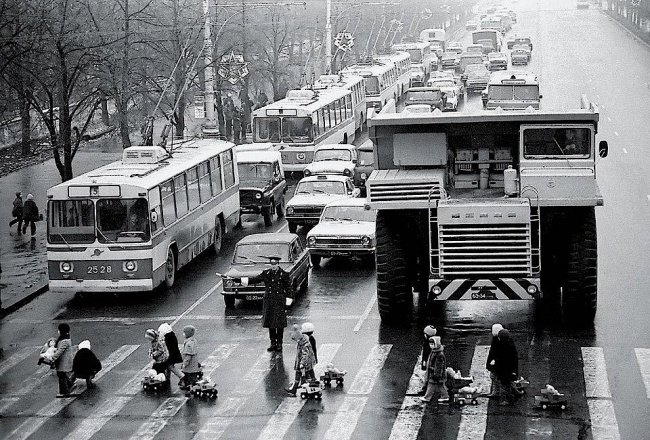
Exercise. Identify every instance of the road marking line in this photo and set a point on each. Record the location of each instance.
(409, 418)
(365, 313)
(197, 302)
(346, 419)
(595, 371)
(6, 402)
(16, 358)
(473, 420)
(601, 409)
(168, 409)
(367, 375)
(223, 416)
(625, 150)
(110, 408)
(643, 359)
(32, 424)
(348, 414)
(288, 410)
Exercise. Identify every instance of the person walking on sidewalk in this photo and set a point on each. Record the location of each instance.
(63, 360)
(17, 212)
(30, 214)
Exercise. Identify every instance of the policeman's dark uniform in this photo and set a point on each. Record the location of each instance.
(278, 288)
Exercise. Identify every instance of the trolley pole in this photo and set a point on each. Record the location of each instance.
(328, 38)
(209, 68)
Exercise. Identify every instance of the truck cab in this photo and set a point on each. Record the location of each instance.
(486, 206)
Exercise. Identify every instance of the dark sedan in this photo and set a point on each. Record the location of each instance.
(251, 257)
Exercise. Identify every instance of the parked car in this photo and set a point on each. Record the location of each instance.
(333, 159)
(311, 196)
(251, 257)
(346, 228)
(431, 96)
(262, 185)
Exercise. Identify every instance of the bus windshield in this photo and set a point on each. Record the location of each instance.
(296, 129)
(259, 252)
(526, 93)
(122, 220)
(267, 129)
(372, 85)
(349, 213)
(500, 92)
(71, 221)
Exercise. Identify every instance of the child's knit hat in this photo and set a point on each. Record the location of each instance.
(189, 330)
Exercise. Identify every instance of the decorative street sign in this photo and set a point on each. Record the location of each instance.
(427, 14)
(233, 68)
(344, 41)
(199, 106)
(636, 2)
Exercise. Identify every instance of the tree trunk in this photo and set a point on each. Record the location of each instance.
(123, 120)
(25, 123)
(104, 106)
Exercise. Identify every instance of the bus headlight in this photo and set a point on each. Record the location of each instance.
(306, 172)
(347, 172)
(290, 210)
(258, 195)
(311, 241)
(129, 266)
(365, 240)
(66, 267)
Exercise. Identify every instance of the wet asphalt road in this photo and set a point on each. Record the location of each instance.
(602, 368)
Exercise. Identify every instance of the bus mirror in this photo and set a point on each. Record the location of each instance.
(603, 149)
(154, 216)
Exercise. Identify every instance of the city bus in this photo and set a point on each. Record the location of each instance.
(353, 83)
(130, 225)
(402, 62)
(303, 120)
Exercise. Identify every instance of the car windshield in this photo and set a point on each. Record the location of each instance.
(366, 157)
(297, 130)
(524, 92)
(332, 155)
(522, 48)
(372, 85)
(557, 142)
(122, 220)
(259, 252)
(254, 171)
(423, 95)
(321, 187)
(71, 221)
(267, 129)
(349, 213)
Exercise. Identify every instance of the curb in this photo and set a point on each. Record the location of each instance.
(4, 311)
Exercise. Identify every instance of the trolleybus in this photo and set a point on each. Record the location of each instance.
(353, 83)
(130, 225)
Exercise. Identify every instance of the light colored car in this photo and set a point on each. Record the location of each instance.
(455, 46)
(519, 57)
(523, 47)
(477, 77)
(497, 61)
(346, 228)
(450, 88)
(449, 60)
(333, 159)
(418, 75)
(312, 194)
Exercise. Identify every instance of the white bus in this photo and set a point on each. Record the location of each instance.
(306, 118)
(354, 83)
(421, 61)
(130, 225)
(385, 77)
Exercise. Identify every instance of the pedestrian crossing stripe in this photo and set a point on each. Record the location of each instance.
(16, 358)
(407, 423)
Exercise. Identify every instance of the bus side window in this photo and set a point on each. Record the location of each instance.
(193, 195)
(228, 169)
(215, 173)
(167, 197)
(204, 182)
(154, 206)
(180, 195)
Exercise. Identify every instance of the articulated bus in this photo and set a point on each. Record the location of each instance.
(303, 120)
(130, 225)
(353, 83)
(385, 77)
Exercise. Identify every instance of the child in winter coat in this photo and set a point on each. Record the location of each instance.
(304, 364)
(308, 329)
(191, 367)
(436, 371)
(62, 359)
(165, 331)
(158, 351)
(429, 332)
(85, 364)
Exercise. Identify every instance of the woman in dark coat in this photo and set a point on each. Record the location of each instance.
(171, 341)
(85, 364)
(277, 288)
(30, 214)
(507, 366)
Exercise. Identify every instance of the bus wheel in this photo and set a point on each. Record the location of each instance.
(218, 236)
(170, 268)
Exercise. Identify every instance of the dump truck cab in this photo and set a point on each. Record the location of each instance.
(486, 206)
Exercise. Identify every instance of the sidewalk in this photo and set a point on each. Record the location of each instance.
(24, 260)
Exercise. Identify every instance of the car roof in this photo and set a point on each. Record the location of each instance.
(423, 89)
(336, 147)
(497, 55)
(330, 177)
(353, 201)
(269, 237)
